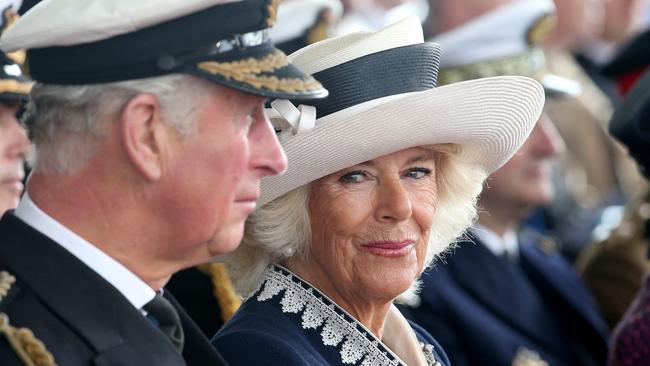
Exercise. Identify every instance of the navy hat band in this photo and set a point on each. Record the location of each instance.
(398, 70)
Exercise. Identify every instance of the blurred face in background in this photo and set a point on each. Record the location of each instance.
(620, 17)
(445, 15)
(13, 147)
(526, 179)
(577, 22)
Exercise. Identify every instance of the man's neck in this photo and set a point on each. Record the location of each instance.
(104, 224)
(501, 218)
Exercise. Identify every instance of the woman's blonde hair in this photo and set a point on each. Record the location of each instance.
(281, 229)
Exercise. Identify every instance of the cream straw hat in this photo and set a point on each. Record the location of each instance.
(383, 99)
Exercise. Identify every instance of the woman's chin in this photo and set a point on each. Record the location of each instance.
(389, 283)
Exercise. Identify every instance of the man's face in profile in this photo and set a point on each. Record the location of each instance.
(13, 147)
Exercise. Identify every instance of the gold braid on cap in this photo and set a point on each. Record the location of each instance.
(319, 31)
(30, 350)
(541, 29)
(247, 71)
(531, 63)
(9, 17)
(13, 86)
(272, 10)
(223, 289)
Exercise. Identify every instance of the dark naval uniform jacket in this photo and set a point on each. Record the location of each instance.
(298, 326)
(78, 316)
(490, 310)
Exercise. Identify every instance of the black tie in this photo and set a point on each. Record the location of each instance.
(162, 313)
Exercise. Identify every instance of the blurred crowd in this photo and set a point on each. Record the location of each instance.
(556, 264)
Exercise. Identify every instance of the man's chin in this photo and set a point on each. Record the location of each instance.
(226, 241)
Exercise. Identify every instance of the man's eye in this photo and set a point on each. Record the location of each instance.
(418, 173)
(353, 177)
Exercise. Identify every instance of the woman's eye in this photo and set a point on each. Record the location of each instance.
(418, 173)
(353, 177)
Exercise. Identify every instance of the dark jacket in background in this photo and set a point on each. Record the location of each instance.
(488, 310)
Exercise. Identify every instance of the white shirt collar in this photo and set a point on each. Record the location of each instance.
(498, 245)
(126, 282)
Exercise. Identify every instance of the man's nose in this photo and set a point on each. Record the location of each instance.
(18, 141)
(267, 155)
(547, 140)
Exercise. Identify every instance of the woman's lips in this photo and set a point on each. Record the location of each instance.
(390, 248)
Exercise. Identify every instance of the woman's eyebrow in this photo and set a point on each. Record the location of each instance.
(428, 156)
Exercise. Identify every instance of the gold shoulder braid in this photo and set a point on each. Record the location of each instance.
(248, 71)
(28, 348)
(526, 357)
(223, 289)
(6, 281)
(273, 12)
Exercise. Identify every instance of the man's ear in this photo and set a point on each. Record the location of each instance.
(144, 135)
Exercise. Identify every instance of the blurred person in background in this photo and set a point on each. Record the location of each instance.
(613, 267)
(596, 173)
(14, 92)
(631, 125)
(303, 22)
(372, 15)
(586, 174)
(445, 15)
(505, 295)
(593, 31)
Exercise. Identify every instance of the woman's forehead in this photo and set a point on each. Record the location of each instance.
(407, 156)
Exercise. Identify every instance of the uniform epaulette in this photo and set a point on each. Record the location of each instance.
(29, 349)
(526, 357)
(6, 282)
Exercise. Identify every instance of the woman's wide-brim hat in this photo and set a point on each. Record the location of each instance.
(383, 99)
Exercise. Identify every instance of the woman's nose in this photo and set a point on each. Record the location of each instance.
(393, 202)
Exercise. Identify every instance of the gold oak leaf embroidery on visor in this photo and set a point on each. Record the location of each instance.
(248, 71)
(13, 86)
(528, 63)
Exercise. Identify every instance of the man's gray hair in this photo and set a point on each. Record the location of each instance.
(66, 123)
(281, 228)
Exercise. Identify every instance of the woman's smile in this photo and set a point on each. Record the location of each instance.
(390, 248)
